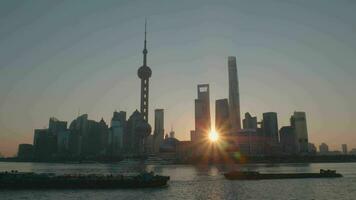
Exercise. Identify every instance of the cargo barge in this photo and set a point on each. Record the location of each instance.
(28, 180)
(253, 175)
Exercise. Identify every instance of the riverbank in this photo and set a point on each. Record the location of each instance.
(200, 160)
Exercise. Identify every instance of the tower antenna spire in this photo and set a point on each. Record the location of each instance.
(145, 46)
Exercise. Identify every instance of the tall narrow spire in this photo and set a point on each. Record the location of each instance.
(144, 73)
(145, 46)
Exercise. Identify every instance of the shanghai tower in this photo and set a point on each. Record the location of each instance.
(144, 73)
(234, 96)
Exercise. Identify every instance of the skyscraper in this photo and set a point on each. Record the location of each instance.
(222, 123)
(117, 132)
(234, 97)
(158, 135)
(202, 112)
(299, 124)
(137, 131)
(144, 73)
(270, 127)
(288, 140)
(249, 122)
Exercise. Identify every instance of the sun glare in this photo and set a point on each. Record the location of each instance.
(213, 136)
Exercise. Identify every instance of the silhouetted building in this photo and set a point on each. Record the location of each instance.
(299, 123)
(92, 136)
(169, 144)
(250, 142)
(172, 133)
(222, 120)
(234, 96)
(270, 127)
(249, 122)
(193, 136)
(344, 148)
(202, 112)
(63, 138)
(158, 130)
(144, 73)
(44, 143)
(184, 150)
(323, 149)
(312, 149)
(55, 126)
(137, 131)
(25, 151)
(353, 151)
(116, 133)
(288, 140)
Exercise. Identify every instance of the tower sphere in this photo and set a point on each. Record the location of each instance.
(144, 72)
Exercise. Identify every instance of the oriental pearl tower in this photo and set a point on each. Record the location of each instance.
(144, 73)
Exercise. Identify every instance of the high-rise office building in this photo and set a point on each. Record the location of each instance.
(222, 122)
(270, 127)
(344, 148)
(299, 124)
(144, 73)
(137, 131)
(44, 144)
(116, 133)
(249, 122)
(288, 140)
(202, 112)
(234, 97)
(91, 137)
(55, 126)
(158, 135)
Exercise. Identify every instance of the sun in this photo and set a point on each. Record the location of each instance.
(213, 136)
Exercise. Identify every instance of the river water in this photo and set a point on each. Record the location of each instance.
(196, 182)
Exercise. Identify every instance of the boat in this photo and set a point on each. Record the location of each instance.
(254, 175)
(30, 180)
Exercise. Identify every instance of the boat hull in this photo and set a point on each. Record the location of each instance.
(241, 176)
(79, 182)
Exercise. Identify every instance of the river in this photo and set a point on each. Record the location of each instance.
(196, 182)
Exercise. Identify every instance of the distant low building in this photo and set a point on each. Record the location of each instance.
(25, 151)
(344, 148)
(169, 144)
(312, 149)
(353, 151)
(323, 149)
(45, 144)
(184, 150)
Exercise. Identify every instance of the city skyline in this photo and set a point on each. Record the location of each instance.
(56, 97)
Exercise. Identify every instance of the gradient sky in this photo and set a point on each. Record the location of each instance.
(58, 58)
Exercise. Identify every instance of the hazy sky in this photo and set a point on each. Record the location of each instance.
(59, 57)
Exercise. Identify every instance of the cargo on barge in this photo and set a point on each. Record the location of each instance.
(29, 180)
(253, 175)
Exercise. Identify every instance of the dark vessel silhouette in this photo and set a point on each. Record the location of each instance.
(253, 175)
(29, 180)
